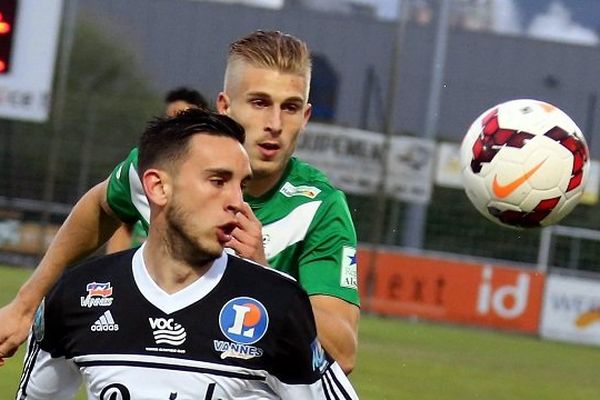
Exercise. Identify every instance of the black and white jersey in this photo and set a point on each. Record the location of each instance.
(241, 331)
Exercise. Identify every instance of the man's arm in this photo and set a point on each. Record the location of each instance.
(87, 227)
(337, 328)
(328, 273)
(314, 374)
(121, 240)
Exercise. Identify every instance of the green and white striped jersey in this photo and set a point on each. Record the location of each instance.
(307, 228)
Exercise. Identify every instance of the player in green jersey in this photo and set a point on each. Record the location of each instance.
(292, 209)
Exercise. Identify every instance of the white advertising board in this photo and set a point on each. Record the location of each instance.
(571, 310)
(410, 169)
(351, 158)
(25, 91)
(447, 171)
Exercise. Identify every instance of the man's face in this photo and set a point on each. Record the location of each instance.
(176, 107)
(206, 193)
(272, 107)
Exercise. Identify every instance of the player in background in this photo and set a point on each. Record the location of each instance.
(182, 98)
(129, 322)
(176, 100)
(294, 219)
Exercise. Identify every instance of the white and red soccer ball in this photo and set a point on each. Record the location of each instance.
(524, 164)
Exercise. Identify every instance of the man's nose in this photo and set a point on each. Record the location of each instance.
(236, 200)
(274, 123)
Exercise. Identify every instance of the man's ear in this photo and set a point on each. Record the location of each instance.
(157, 186)
(223, 103)
(307, 114)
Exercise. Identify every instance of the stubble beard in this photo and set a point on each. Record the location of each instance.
(183, 244)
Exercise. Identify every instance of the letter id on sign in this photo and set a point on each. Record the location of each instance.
(508, 301)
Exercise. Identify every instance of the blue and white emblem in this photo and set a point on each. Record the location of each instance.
(244, 320)
(38, 322)
(319, 360)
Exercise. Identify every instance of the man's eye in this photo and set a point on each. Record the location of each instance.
(292, 108)
(217, 182)
(259, 103)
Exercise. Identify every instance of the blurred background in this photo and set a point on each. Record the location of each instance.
(396, 84)
(415, 76)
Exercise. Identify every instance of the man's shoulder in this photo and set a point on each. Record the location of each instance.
(121, 169)
(124, 193)
(133, 156)
(301, 171)
(265, 276)
(105, 267)
(306, 180)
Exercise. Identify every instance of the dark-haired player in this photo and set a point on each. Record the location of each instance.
(179, 318)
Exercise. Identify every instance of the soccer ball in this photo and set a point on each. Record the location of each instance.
(524, 164)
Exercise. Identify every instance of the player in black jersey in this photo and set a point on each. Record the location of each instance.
(179, 318)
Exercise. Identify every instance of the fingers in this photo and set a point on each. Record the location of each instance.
(247, 246)
(7, 350)
(14, 328)
(246, 239)
(247, 220)
(249, 229)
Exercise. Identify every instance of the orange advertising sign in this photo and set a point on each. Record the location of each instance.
(402, 284)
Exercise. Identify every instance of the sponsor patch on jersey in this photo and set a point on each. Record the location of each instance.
(99, 294)
(39, 325)
(105, 323)
(167, 331)
(348, 276)
(319, 361)
(289, 190)
(236, 350)
(244, 320)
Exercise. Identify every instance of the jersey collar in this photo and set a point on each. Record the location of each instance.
(170, 303)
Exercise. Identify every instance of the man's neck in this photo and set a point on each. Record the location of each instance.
(170, 274)
(259, 185)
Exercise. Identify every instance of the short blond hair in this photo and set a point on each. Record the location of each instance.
(271, 49)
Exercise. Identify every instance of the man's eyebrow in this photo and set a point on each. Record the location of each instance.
(257, 94)
(219, 171)
(295, 99)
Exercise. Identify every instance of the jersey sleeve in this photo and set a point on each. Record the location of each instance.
(328, 262)
(47, 374)
(125, 194)
(304, 369)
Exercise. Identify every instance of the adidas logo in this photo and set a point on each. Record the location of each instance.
(105, 323)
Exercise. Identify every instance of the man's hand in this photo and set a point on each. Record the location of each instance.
(246, 239)
(15, 322)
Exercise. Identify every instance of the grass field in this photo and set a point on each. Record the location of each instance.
(399, 359)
